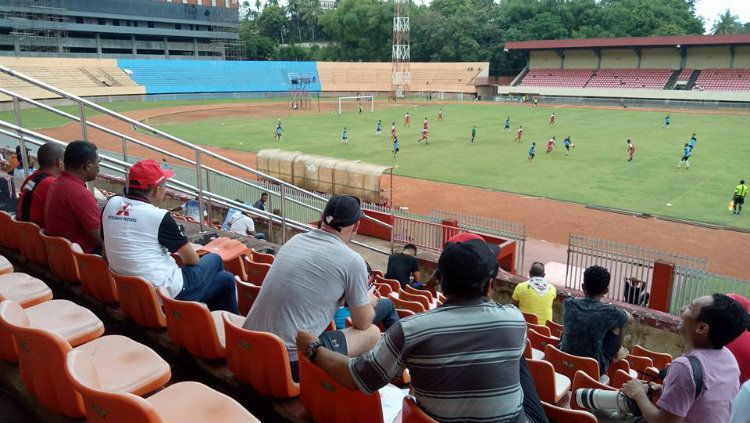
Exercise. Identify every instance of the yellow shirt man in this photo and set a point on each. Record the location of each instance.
(536, 296)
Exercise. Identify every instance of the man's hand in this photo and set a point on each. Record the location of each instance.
(635, 389)
(304, 338)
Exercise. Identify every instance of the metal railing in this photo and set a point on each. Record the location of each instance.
(287, 196)
(703, 283)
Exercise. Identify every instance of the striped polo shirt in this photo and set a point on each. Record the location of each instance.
(463, 359)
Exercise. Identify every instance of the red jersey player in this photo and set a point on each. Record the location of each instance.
(631, 150)
(519, 133)
(550, 145)
(393, 131)
(424, 132)
(552, 119)
(407, 119)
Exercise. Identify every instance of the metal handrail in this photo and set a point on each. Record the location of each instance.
(83, 103)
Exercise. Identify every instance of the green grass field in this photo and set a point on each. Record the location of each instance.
(596, 172)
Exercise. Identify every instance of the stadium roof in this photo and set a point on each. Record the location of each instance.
(687, 40)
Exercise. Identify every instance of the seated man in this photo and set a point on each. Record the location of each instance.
(71, 211)
(689, 396)
(139, 237)
(242, 224)
(313, 274)
(225, 225)
(592, 328)
(464, 357)
(536, 295)
(35, 188)
(261, 203)
(404, 267)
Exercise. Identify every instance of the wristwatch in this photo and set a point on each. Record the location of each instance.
(312, 350)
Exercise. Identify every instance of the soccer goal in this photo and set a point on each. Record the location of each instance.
(354, 102)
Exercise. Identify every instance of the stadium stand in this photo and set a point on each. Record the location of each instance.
(630, 78)
(723, 80)
(573, 78)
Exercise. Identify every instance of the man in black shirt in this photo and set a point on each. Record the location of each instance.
(261, 204)
(404, 267)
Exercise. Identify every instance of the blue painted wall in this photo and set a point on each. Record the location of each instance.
(161, 76)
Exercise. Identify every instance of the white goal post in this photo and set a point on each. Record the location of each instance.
(360, 100)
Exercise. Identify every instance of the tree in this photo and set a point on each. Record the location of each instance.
(292, 8)
(311, 12)
(727, 23)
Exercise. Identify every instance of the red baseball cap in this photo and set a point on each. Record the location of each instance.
(146, 174)
(742, 300)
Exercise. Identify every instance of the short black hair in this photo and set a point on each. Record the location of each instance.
(78, 153)
(410, 247)
(264, 193)
(537, 270)
(49, 154)
(595, 281)
(726, 320)
(135, 192)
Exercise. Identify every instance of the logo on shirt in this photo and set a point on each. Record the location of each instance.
(123, 211)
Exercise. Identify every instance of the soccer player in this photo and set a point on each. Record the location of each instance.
(440, 115)
(473, 132)
(550, 145)
(568, 144)
(277, 133)
(532, 151)
(407, 119)
(379, 127)
(393, 130)
(425, 125)
(345, 136)
(519, 133)
(667, 119)
(395, 146)
(424, 136)
(360, 108)
(685, 157)
(693, 141)
(740, 192)
(631, 150)
(552, 119)
(507, 124)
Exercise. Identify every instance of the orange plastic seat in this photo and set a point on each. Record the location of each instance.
(410, 289)
(619, 378)
(229, 249)
(236, 266)
(259, 359)
(530, 352)
(383, 289)
(96, 278)
(411, 413)
(582, 380)
(404, 313)
(25, 289)
(566, 415)
(660, 360)
(620, 365)
(184, 402)
(568, 364)
(193, 327)
(256, 271)
(32, 246)
(8, 232)
(138, 301)
(121, 364)
(540, 329)
(393, 283)
(551, 386)
(262, 257)
(246, 295)
(642, 365)
(5, 266)
(539, 341)
(556, 329)
(406, 305)
(327, 401)
(530, 318)
(377, 274)
(407, 296)
(60, 257)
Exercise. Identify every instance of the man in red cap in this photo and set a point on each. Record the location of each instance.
(140, 237)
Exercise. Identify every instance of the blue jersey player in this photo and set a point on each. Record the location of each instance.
(277, 133)
(507, 124)
(379, 127)
(667, 120)
(395, 146)
(692, 142)
(686, 152)
(532, 151)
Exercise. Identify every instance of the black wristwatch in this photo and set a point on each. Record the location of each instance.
(312, 350)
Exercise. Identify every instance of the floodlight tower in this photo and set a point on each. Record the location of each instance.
(401, 54)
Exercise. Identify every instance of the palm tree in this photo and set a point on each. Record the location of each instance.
(727, 24)
(293, 7)
(311, 12)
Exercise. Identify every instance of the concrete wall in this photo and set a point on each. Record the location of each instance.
(544, 59)
(742, 57)
(618, 58)
(707, 57)
(579, 59)
(626, 93)
(660, 58)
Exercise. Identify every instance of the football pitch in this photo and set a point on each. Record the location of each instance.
(595, 172)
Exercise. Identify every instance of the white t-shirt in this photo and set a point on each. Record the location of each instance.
(241, 224)
(741, 405)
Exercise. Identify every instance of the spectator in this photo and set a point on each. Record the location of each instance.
(536, 295)
(385, 311)
(592, 328)
(17, 171)
(244, 225)
(313, 274)
(35, 188)
(404, 267)
(464, 357)
(225, 225)
(740, 347)
(192, 209)
(71, 210)
(741, 405)
(708, 324)
(139, 237)
(261, 204)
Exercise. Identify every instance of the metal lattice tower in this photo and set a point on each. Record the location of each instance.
(38, 25)
(230, 49)
(401, 53)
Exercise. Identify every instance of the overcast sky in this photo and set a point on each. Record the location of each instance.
(710, 9)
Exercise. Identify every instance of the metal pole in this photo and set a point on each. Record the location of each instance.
(124, 150)
(208, 188)
(199, 185)
(21, 143)
(283, 215)
(84, 129)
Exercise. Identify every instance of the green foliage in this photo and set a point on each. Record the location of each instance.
(729, 24)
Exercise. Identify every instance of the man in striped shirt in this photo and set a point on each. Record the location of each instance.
(464, 357)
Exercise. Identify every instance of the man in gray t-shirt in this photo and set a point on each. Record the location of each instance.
(313, 274)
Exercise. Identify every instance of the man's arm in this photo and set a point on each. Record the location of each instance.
(333, 363)
(363, 316)
(188, 255)
(174, 241)
(637, 390)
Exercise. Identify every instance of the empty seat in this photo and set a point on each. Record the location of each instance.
(566, 415)
(25, 289)
(121, 364)
(582, 380)
(236, 266)
(5, 266)
(95, 277)
(551, 386)
(259, 359)
(540, 329)
(246, 295)
(642, 365)
(660, 360)
(262, 257)
(411, 413)
(393, 283)
(556, 329)
(60, 258)
(568, 364)
(193, 327)
(422, 300)
(32, 246)
(185, 402)
(138, 301)
(531, 318)
(406, 305)
(256, 271)
(539, 341)
(8, 232)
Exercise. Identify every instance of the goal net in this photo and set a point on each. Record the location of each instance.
(353, 103)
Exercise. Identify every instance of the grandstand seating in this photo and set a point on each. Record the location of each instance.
(568, 364)
(96, 278)
(27, 290)
(139, 302)
(5, 266)
(60, 257)
(723, 80)
(566, 415)
(660, 360)
(32, 246)
(246, 295)
(655, 79)
(572, 78)
(551, 386)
